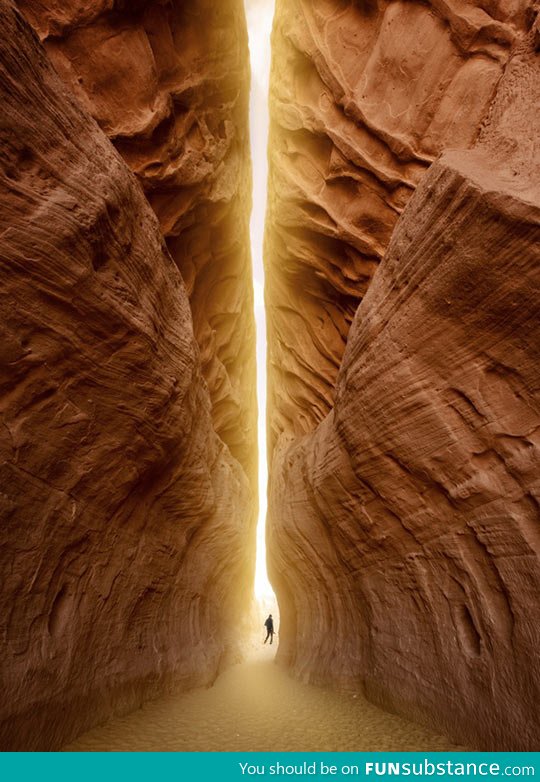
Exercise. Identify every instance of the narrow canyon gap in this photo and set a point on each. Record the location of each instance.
(401, 262)
(260, 14)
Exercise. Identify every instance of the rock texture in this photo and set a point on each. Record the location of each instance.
(168, 82)
(364, 96)
(125, 521)
(404, 537)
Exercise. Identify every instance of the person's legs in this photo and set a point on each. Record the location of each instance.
(271, 634)
(267, 635)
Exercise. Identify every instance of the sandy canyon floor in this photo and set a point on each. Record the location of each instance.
(256, 706)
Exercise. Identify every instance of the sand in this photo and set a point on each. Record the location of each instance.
(256, 706)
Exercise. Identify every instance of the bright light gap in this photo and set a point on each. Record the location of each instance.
(259, 15)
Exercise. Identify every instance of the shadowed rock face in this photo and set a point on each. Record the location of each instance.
(169, 84)
(404, 529)
(126, 523)
(364, 96)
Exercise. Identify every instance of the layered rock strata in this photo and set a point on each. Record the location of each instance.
(169, 84)
(364, 96)
(404, 538)
(125, 521)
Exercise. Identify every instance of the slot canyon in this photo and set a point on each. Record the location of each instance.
(401, 425)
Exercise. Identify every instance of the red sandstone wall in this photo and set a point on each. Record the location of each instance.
(364, 95)
(126, 523)
(403, 537)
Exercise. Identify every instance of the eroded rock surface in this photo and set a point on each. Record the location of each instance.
(125, 522)
(169, 84)
(405, 537)
(364, 96)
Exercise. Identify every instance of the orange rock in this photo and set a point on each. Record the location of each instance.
(364, 96)
(169, 84)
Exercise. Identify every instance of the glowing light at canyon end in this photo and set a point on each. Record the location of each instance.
(259, 18)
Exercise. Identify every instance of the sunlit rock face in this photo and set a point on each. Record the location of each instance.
(169, 84)
(404, 537)
(125, 555)
(364, 96)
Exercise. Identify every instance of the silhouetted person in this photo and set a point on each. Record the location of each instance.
(269, 624)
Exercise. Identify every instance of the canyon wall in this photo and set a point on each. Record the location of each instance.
(126, 535)
(404, 538)
(364, 96)
(168, 82)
